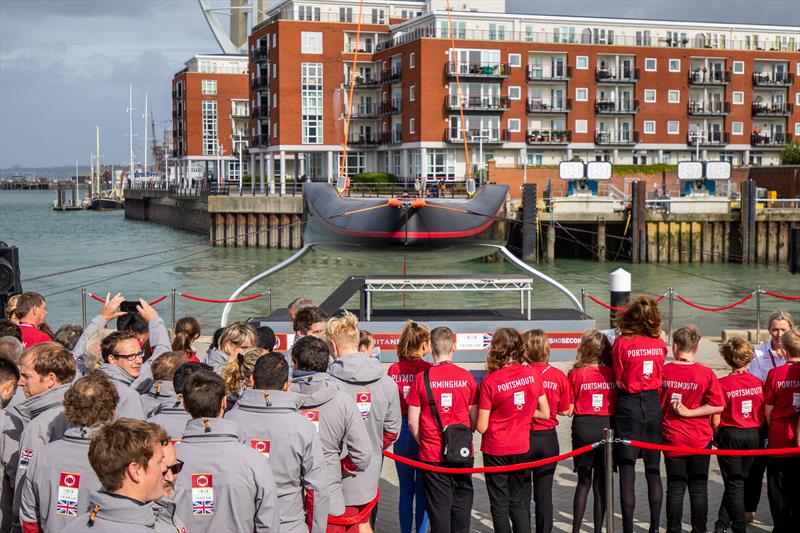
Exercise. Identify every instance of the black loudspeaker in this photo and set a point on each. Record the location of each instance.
(10, 283)
(794, 250)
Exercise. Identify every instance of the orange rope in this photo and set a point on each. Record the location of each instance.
(352, 86)
(458, 88)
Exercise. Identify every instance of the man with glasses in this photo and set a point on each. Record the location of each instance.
(122, 363)
(166, 519)
(60, 482)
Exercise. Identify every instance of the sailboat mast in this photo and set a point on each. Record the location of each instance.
(145, 132)
(91, 173)
(97, 176)
(130, 127)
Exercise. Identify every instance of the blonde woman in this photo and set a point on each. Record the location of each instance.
(235, 339)
(237, 373)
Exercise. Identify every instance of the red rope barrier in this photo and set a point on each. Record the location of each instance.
(713, 309)
(781, 296)
(598, 302)
(492, 469)
(707, 451)
(213, 301)
(355, 519)
(102, 300)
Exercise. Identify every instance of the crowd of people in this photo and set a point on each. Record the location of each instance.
(125, 426)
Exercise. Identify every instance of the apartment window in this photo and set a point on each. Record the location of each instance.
(738, 97)
(581, 126)
(528, 34)
(209, 118)
(345, 14)
(650, 96)
(673, 127)
(797, 98)
(459, 29)
(497, 32)
(798, 68)
(412, 90)
(311, 42)
(412, 60)
(797, 128)
(674, 65)
(378, 16)
(208, 86)
(738, 67)
(564, 34)
(649, 127)
(274, 100)
(356, 163)
(442, 163)
(311, 102)
(582, 62)
(274, 129)
(514, 60)
(274, 70)
(643, 38)
(274, 40)
(534, 158)
(666, 157)
(581, 94)
(514, 93)
(514, 125)
(650, 64)
(674, 97)
(412, 125)
(737, 128)
(308, 13)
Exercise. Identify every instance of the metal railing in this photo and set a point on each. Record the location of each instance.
(477, 70)
(709, 77)
(614, 75)
(486, 135)
(763, 109)
(772, 79)
(710, 138)
(708, 107)
(772, 139)
(548, 136)
(548, 106)
(610, 107)
(548, 73)
(476, 103)
(616, 137)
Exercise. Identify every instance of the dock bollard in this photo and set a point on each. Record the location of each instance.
(620, 281)
(609, 481)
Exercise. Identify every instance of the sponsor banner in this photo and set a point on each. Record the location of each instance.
(283, 342)
(386, 341)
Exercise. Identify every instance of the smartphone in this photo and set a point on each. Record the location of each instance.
(129, 306)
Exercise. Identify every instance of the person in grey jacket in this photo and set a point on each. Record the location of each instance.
(167, 521)
(60, 482)
(376, 397)
(161, 390)
(225, 484)
(173, 417)
(235, 339)
(268, 414)
(122, 364)
(342, 434)
(9, 376)
(128, 458)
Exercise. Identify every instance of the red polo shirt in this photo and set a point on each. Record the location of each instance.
(510, 394)
(782, 392)
(31, 335)
(454, 390)
(638, 362)
(403, 373)
(594, 389)
(558, 392)
(744, 401)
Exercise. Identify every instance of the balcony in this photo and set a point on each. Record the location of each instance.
(390, 107)
(610, 107)
(363, 48)
(548, 73)
(616, 137)
(259, 83)
(366, 82)
(476, 103)
(364, 139)
(176, 113)
(559, 106)
(709, 77)
(767, 139)
(705, 108)
(770, 79)
(477, 70)
(485, 136)
(761, 109)
(613, 75)
(391, 76)
(392, 137)
(711, 138)
(365, 111)
(259, 140)
(552, 137)
(260, 54)
(259, 111)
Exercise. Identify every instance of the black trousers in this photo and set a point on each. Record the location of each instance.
(755, 477)
(450, 499)
(783, 491)
(544, 444)
(735, 470)
(691, 471)
(509, 494)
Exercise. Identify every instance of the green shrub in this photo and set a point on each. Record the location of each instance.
(791, 153)
(374, 177)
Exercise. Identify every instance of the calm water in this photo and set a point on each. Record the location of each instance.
(52, 241)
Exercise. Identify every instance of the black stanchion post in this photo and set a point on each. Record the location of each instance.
(83, 306)
(609, 481)
(172, 307)
(758, 313)
(583, 299)
(620, 281)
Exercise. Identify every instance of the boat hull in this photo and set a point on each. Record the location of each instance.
(105, 204)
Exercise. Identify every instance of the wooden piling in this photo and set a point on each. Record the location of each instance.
(551, 243)
(601, 241)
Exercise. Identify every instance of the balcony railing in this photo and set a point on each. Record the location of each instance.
(476, 103)
(364, 139)
(766, 139)
(772, 79)
(363, 48)
(391, 107)
(549, 73)
(699, 108)
(477, 70)
(548, 136)
(622, 107)
(710, 138)
(259, 111)
(260, 54)
(366, 111)
(259, 140)
(559, 106)
(389, 76)
(366, 82)
(709, 77)
(614, 75)
(761, 109)
(391, 137)
(240, 112)
(486, 135)
(616, 137)
(259, 83)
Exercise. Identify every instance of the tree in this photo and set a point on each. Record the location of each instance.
(791, 153)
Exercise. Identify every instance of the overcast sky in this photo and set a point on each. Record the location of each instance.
(65, 64)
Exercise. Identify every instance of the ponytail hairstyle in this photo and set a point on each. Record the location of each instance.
(595, 349)
(535, 346)
(641, 317)
(412, 338)
(187, 330)
(506, 347)
(238, 370)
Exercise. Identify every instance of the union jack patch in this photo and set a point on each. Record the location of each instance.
(67, 507)
(25, 456)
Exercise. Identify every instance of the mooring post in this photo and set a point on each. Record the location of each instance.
(172, 307)
(83, 306)
(551, 242)
(530, 246)
(609, 478)
(620, 282)
(758, 314)
(583, 299)
(638, 220)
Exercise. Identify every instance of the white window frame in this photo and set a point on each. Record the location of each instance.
(581, 125)
(797, 128)
(514, 129)
(208, 87)
(671, 93)
(655, 64)
(412, 124)
(652, 125)
(310, 42)
(578, 92)
(737, 95)
(651, 100)
(517, 89)
(671, 62)
(412, 92)
(514, 60)
(734, 127)
(274, 70)
(797, 98)
(274, 39)
(740, 69)
(412, 60)
(578, 60)
(677, 125)
(798, 68)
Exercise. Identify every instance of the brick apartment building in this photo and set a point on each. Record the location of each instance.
(210, 114)
(534, 89)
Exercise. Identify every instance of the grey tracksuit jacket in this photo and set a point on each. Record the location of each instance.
(130, 402)
(116, 514)
(161, 392)
(172, 417)
(216, 359)
(294, 456)
(59, 482)
(340, 428)
(378, 401)
(166, 519)
(225, 485)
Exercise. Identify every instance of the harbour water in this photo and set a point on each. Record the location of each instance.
(53, 242)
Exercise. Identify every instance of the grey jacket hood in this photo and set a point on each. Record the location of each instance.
(35, 405)
(256, 400)
(79, 433)
(357, 368)
(162, 390)
(213, 430)
(116, 373)
(215, 358)
(317, 389)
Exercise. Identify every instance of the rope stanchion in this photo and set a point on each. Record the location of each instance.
(355, 519)
(492, 469)
(707, 451)
(782, 296)
(102, 300)
(714, 309)
(215, 301)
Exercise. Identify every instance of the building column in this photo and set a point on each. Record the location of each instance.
(569, 154)
(616, 154)
(283, 172)
(404, 163)
(330, 166)
(746, 157)
(252, 169)
(271, 173)
(302, 171)
(660, 156)
(423, 162)
(261, 171)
